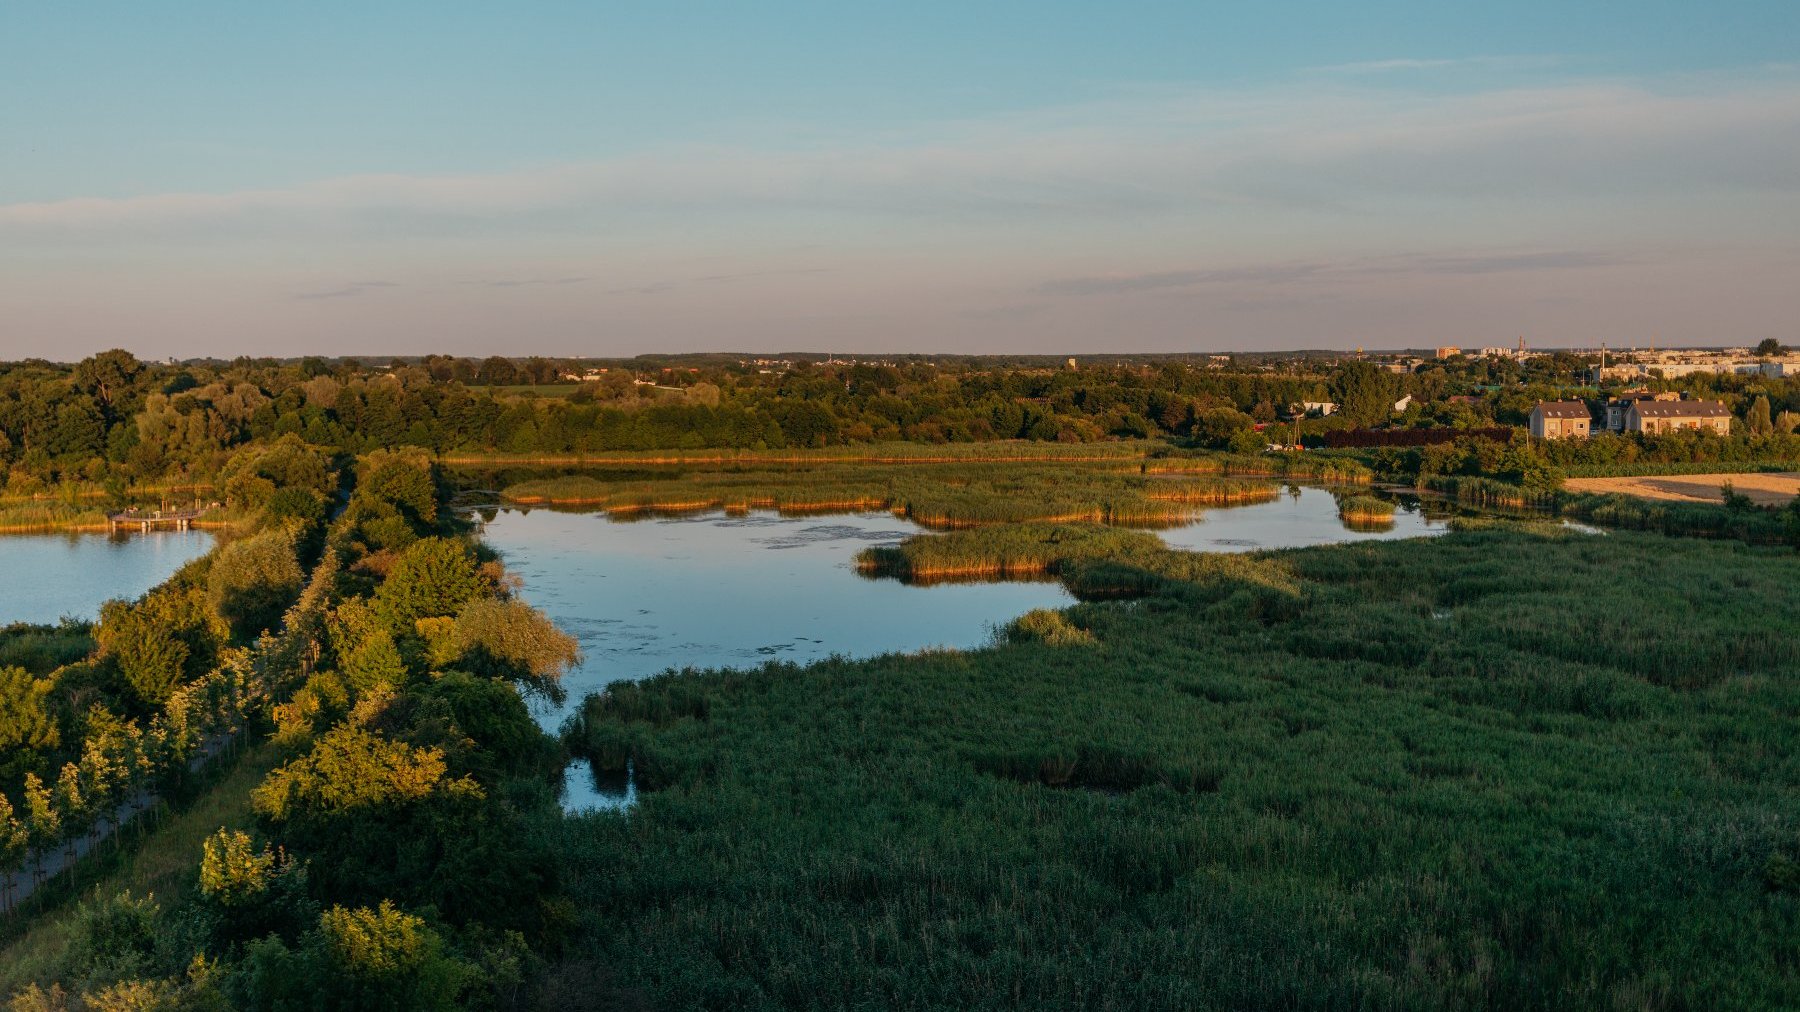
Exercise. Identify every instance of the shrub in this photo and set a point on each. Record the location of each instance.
(433, 577)
(254, 580)
(1045, 625)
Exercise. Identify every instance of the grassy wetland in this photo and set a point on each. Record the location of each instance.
(937, 496)
(1424, 774)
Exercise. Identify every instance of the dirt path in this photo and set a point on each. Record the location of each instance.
(1763, 489)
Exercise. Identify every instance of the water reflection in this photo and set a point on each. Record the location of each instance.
(587, 788)
(719, 591)
(1304, 516)
(713, 590)
(55, 575)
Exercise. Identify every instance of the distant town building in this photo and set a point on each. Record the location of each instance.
(1314, 408)
(1449, 351)
(1560, 420)
(1616, 408)
(1402, 404)
(1672, 364)
(1668, 416)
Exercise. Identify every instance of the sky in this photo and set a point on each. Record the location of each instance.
(598, 179)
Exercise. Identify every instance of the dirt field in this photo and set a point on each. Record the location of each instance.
(1763, 489)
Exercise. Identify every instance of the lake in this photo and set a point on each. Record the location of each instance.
(53, 575)
(720, 591)
(1302, 516)
(712, 590)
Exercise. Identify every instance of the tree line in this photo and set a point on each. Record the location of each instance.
(396, 855)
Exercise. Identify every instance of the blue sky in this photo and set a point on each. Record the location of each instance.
(211, 178)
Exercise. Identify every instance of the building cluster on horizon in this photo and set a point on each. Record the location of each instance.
(1516, 354)
(1636, 411)
(1675, 363)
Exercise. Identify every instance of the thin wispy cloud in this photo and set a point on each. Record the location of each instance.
(1320, 148)
(348, 291)
(1320, 271)
(661, 287)
(1147, 216)
(528, 282)
(1406, 64)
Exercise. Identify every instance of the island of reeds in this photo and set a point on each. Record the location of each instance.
(937, 496)
(1366, 511)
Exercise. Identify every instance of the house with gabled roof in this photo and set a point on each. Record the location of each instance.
(1560, 420)
(1670, 416)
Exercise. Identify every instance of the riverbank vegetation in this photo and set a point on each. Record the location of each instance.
(1365, 509)
(1445, 773)
(395, 853)
(133, 431)
(939, 496)
(1433, 773)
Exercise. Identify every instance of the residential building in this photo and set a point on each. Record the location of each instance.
(1616, 408)
(1560, 420)
(1669, 416)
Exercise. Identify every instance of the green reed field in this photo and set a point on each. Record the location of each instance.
(1511, 767)
(937, 495)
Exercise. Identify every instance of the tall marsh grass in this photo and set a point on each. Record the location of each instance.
(1497, 769)
(41, 516)
(939, 496)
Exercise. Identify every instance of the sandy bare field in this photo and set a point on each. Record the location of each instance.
(1764, 489)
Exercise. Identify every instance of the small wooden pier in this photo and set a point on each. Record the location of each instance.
(154, 520)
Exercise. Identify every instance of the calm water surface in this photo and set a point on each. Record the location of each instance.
(720, 591)
(1302, 516)
(48, 576)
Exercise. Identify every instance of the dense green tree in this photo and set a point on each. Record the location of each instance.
(171, 637)
(496, 719)
(1365, 393)
(350, 768)
(25, 722)
(253, 580)
(507, 639)
(373, 662)
(433, 577)
(402, 479)
(1758, 420)
(1216, 427)
(355, 959)
(108, 376)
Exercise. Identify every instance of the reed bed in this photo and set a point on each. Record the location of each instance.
(1012, 451)
(1488, 492)
(1011, 551)
(1754, 525)
(41, 649)
(1306, 467)
(941, 497)
(1496, 769)
(1365, 509)
(1683, 519)
(42, 517)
